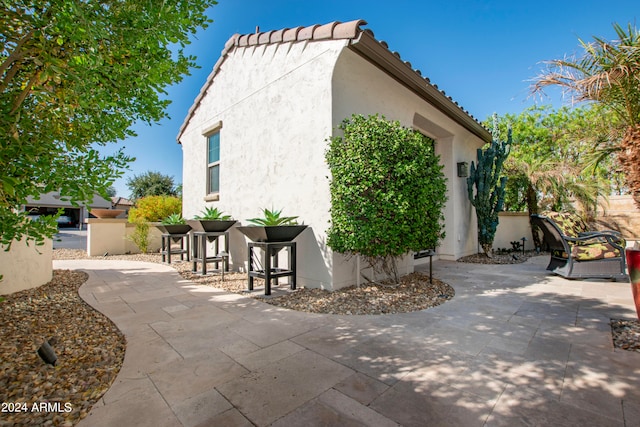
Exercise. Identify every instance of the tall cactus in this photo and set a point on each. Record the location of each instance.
(489, 187)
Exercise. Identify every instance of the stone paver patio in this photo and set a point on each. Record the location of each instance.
(516, 346)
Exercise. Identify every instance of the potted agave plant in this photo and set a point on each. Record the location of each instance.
(174, 224)
(211, 220)
(272, 227)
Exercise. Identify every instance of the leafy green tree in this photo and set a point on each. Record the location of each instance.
(489, 184)
(111, 191)
(155, 208)
(151, 184)
(556, 158)
(151, 209)
(387, 192)
(75, 75)
(608, 73)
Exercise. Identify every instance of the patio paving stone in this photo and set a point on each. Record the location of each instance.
(361, 387)
(516, 346)
(333, 408)
(273, 391)
(520, 407)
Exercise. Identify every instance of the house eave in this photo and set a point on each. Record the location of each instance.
(378, 54)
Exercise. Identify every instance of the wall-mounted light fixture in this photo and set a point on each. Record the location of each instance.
(463, 169)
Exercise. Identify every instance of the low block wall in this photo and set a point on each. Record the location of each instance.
(25, 266)
(111, 236)
(513, 226)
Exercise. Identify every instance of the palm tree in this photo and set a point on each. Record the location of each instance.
(608, 73)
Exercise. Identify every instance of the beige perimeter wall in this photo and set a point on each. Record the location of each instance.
(25, 266)
(112, 236)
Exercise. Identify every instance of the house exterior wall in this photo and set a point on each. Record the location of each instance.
(359, 87)
(273, 103)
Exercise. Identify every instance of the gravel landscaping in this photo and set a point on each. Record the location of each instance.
(89, 349)
(412, 294)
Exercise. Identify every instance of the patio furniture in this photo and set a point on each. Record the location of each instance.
(176, 233)
(167, 249)
(199, 241)
(271, 271)
(577, 252)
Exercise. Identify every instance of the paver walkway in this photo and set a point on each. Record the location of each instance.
(514, 347)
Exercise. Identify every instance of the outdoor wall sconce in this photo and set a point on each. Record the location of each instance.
(463, 169)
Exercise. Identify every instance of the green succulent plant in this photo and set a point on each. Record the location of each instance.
(173, 219)
(213, 214)
(273, 218)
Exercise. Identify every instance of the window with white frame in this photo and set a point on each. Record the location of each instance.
(213, 163)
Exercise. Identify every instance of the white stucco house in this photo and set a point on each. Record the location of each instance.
(257, 133)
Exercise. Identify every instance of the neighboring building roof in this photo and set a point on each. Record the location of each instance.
(54, 199)
(121, 201)
(362, 42)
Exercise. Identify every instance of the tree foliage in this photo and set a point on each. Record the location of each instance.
(489, 184)
(75, 75)
(608, 72)
(151, 184)
(387, 191)
(155, 208)
(561, 156)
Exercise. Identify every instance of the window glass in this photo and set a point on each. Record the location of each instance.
(214, 148)
(214, 179)
(213, 163)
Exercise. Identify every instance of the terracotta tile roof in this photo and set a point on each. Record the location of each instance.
(364, 42)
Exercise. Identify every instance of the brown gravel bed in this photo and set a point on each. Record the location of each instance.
(501, 258)
(626, 334)
(89, 347)
(413, 294)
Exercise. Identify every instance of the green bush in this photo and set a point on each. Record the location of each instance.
(155, 208)
(140, 236)
(151, 209)
(387, 192)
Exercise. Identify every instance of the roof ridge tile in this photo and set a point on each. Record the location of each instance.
(253, 39)
(291, 34)
(265, 38)
(325, 31)
(348, 30)
(306, 33)
(276, 36)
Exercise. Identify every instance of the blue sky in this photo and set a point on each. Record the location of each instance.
(481, 53)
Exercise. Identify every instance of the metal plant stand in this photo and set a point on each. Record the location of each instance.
(199, 246)
(166, 246)
(271, 271)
